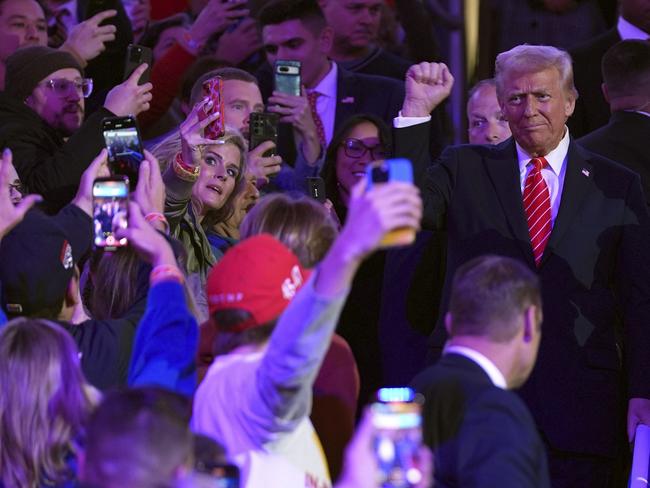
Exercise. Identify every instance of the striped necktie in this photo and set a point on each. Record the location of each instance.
(312, 97)
(537, 206)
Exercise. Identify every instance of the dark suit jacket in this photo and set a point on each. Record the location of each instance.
(594, 277)
(624, 140)
(592, 111)
(355, 93)
(481, 435)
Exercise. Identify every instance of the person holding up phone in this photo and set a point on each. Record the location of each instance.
(42, 119)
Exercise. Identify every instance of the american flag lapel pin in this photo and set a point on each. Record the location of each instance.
(347, 100)
(585, 172)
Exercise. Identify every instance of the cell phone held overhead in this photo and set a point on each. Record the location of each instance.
(385, 171)
(110, 211)
(124, 146)
(287, 77)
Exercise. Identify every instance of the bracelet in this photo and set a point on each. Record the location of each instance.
(166, 272)
(193, 44)
(184, 171)
(157, 217)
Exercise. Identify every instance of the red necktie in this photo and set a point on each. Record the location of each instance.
(58, 30)
(537, 205)
(312, 97)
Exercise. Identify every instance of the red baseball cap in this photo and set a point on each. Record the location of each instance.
(259, 275)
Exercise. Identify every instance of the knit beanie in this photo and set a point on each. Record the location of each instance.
(28, 66)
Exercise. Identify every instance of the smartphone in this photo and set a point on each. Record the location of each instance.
(124, 145)
(287, 77)
(397, 420)
(213, 102)
(316, 188)
(392, 170)
(110, 211)
(263, 127)
(135, 56)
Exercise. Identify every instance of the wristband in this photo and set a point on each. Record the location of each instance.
(193, 44)
(184, 171)
(166, 272)
(157, 217)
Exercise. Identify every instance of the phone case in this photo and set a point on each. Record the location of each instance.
(135, 56)
(263, 127)
(213, 102)
(386, 171)
(124, 145)
(287, 77)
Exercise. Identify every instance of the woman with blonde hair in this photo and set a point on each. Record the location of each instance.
(44, 405)
(202, 177)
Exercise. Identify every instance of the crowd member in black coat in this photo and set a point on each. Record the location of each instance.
(593, 268)
(41, 120)
(482, 434)
(592, 110)
(626, 75)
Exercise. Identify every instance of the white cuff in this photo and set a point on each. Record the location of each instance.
(400, 122)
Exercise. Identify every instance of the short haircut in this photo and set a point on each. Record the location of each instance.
(481, 84)
(138, 438)
(306, 11)
(533, 59)
(225, 74)
(301, 224)
(626, 68)
(488, 294)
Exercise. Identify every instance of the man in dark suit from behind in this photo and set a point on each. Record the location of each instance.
(481, 433)
(626, 87)
(591, 111)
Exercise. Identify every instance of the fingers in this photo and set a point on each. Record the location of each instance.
(155, 166)
(262, 148)
(144, 174)
(27, 202)
(97, 19)
(97, 163)
(7, 162)
(137, 73)
(430, 73)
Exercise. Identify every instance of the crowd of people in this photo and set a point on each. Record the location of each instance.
(239, 333)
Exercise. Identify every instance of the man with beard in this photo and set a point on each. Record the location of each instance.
(42, 120)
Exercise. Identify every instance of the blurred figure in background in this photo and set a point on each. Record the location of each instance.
(486, 123)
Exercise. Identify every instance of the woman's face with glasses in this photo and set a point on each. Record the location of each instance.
(59, 100)
(358, 149)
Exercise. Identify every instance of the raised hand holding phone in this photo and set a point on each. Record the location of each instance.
(213, 104)
(110, 211)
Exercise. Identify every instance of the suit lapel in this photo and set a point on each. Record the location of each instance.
(346, 97)
(503, 170)
(577, 181)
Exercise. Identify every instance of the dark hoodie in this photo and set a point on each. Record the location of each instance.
(46, 163)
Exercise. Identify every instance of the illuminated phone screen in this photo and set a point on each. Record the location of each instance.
(110, 212)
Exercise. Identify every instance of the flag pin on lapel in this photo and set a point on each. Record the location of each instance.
(585, 172)
(347, 100)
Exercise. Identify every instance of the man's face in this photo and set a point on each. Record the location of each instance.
(167, 39)
(240, 98)
(22, 23)
(487, 125)
(536, 107)
(63, 111)
(292, 40)
(355, 23)
(637, 12)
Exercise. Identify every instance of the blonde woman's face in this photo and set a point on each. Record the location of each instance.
(219, 171)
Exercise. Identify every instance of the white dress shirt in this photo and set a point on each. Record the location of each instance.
(629, 31)
(553, 173)
(486, 365)
(326, 102)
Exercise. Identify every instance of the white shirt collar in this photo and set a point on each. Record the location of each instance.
(327, 86)
(630, 31)
(486, 365)
(555, 158)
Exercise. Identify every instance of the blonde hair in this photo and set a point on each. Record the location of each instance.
(44, 405)
(167, 149)
(301, 224)
(532, 59)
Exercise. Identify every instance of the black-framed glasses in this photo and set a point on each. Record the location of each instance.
(355, 148)
(62, 87)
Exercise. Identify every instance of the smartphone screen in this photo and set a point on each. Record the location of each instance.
(397, 420)
(124, 146)
(287, 77)
(110, 210)
(213, 102)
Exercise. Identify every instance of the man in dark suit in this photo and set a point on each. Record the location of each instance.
(482, 435)
(626, 87)
(296, 30)
(591, 110)
(585, 233)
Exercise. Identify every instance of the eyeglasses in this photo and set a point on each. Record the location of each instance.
(62, 87)
(354, 148)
